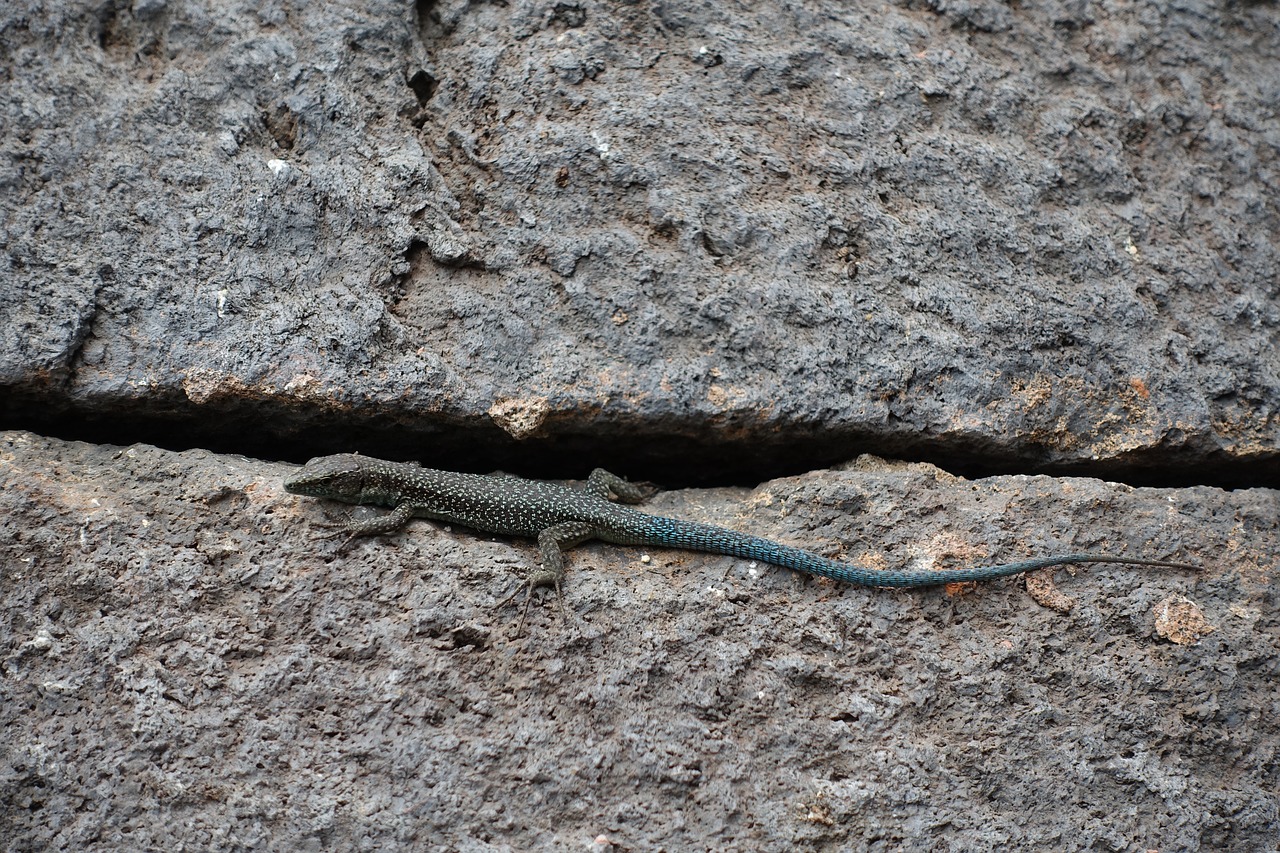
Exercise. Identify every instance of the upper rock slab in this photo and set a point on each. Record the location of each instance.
(1042, 233)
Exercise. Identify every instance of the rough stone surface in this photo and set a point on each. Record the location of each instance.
(1038, 236)
(690, 242)
(188, 666)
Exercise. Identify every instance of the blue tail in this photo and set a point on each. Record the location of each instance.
(673, 533)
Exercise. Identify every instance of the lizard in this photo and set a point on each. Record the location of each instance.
(560, 517)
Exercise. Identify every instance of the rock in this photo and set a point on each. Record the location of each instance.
(992, 240)
(187, 657)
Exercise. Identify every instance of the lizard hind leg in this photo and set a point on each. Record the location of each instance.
(551, 544)
(601, 483)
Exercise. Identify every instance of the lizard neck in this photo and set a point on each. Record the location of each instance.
(391, 483)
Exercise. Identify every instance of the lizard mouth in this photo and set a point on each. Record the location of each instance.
(300, 486)
(326, 477)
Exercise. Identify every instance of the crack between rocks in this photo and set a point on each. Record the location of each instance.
(674, 456)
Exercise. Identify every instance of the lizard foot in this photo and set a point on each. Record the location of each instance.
(333, 529)
(537, 579)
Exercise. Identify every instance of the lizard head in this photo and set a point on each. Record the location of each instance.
(340, 477)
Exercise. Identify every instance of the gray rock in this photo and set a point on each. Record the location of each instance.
(997, 239)
(691, 243)
(189, 664)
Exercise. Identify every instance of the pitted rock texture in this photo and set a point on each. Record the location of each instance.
(1010, 238)
(188, 663)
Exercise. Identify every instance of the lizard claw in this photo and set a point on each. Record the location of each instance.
(564, 616)
(504, 602)
(524, 614)
(528, 597)
(536, 580)
(333, 529)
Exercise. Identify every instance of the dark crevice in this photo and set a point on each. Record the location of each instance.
(669, 452)
(282, 125)
(424, 85)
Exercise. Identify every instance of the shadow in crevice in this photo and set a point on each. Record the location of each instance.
(667, 451)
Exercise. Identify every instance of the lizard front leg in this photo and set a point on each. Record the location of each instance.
(383, 523)
(551, 544)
